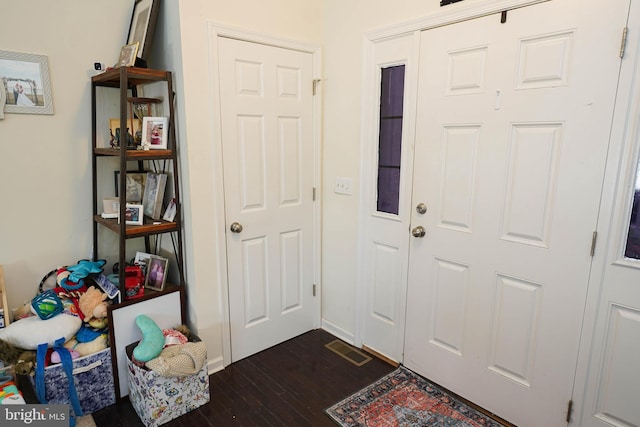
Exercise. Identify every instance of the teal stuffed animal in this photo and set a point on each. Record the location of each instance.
(152, 339)
(81, 270)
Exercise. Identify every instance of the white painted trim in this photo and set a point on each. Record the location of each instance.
(214, 32)
(215, 365)
(450, 15)
(339, 332)
(624, 145)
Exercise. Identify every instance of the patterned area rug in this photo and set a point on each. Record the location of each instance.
(404, 399)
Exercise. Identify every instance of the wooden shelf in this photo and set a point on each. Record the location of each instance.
(148, 294)
(135, 154)
(135, 76)
(147, 229)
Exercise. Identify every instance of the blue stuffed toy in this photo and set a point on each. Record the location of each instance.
(84, 267)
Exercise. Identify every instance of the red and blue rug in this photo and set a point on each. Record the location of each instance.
(405, 399)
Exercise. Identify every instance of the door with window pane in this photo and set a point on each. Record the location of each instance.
(608, 377)
(385, 237)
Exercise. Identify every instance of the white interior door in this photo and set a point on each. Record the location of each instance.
(267, 142)
(513, 124)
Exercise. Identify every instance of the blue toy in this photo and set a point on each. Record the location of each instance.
(82, 269)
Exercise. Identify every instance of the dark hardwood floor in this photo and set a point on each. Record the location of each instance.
(290, 384)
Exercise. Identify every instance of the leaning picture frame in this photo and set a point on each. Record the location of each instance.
(143, 24)
(156, 273)
(154, 132)
(134, 129)
(25, 78)
(135, 182)
(128, 55)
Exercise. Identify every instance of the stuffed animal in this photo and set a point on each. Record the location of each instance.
(79, 272)
(26, 363)
(92, 304)
(9, 353)
(152, 339)
(22, 312)
(87, 348)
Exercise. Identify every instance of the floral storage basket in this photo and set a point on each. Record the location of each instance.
(158, 399)
(93, 379)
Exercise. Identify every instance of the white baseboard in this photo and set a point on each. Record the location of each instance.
(338, 332)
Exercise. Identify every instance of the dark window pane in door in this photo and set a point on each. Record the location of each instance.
(632, 249)
(390, 138)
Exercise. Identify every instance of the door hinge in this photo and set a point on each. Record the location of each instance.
(314, 289)
(569, 410)
(594, 238)
(315, 85)
(623, 42)
(314, 194)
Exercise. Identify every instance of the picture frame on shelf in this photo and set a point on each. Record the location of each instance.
(154, 132)
(143, 24)
(156, 275)
(170, 212)
(135, 185)
(25, 78)
(128, 55)
(134, 214)
(154, 194)
(142, 259)
(134, 132)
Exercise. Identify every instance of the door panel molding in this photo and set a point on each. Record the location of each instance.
(215, 31)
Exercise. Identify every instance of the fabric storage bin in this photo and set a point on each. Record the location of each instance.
(158, 399)
(93, 378)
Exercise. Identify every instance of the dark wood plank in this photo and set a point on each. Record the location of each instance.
(290, 384)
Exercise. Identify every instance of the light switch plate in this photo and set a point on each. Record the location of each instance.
(343, 186)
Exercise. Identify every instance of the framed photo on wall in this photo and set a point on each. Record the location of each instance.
(143, 24)
(25, 78)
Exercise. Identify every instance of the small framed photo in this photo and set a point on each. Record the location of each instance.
(135, 184)
(142, 259)
(134, 132)
(128, 55)
(25, 78)
(143, 24)
(154, 132)
(134, 214)
(156, 273)
(170, 213)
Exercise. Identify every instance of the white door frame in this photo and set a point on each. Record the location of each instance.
(214, 32)
(613, 219)
(368, 145)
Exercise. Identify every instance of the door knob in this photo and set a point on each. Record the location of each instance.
(419, 231)
(236, 227)
(421, 208)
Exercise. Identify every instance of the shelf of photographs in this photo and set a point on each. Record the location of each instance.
(148, 228)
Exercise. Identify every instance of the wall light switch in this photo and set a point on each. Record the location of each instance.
(343, 186)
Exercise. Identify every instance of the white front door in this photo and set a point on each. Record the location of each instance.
(267, 143)
(512, 131)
